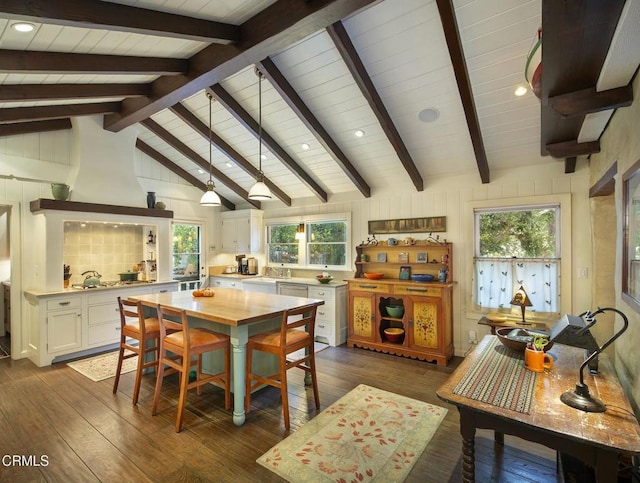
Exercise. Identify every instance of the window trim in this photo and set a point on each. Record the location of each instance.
(566, 247)
(302, 255)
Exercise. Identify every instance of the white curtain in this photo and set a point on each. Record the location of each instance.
(497, 279)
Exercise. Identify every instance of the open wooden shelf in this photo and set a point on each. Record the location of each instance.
(43, 204)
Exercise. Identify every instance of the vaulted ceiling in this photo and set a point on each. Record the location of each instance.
(330, 68)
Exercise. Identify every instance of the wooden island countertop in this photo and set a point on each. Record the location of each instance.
(235, 312)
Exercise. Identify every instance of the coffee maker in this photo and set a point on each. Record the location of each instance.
(252, 266)
(239, 259)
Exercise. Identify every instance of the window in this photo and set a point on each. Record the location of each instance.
(283, 245)
(187, 249)
(324, 243)
(327, 245)
(517, 246)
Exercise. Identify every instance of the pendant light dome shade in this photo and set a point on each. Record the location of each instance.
(210, 197)
(259, 191)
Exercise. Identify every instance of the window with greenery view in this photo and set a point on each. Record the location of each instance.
(324, 244)
(187, 249)
(283, 246)
(327, 243)
(517, 246)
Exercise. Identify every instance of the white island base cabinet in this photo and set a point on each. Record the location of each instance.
(71, 324)
(331, 318)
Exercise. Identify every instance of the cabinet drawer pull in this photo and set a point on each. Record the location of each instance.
(321, 326)
(320, 313)
(164, 291)
(64, 303)
(367, 286)
(321, 293)
(412, 289)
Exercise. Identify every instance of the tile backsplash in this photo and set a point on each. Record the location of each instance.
(108, 248)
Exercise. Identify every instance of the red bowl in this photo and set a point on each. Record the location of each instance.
(373, 276)
(394, 334)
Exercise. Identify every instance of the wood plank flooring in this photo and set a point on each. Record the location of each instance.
(86, 433)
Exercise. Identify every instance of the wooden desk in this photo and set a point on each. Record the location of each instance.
(238, 310)
(497, 321)
(595, 438)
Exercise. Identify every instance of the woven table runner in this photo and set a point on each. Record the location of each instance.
(499, 378)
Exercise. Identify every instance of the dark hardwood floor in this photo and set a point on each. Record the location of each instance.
(86, 433)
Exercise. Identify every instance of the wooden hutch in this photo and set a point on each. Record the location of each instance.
(427, 318)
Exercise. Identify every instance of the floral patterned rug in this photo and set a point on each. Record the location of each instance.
(103, 366)
(367, 435)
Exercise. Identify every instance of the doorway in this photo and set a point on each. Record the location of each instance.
(5, 281)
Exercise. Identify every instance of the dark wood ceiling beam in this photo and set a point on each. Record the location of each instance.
(184, 174)
(94, 14)
(278, 26)
(576, 38)
(243, 117)
(589, 100)
(568, 149)
(343, 43)
(50, 92)
(14, 129)
(201, 128)
(39, 113)
(606, 185)
(186, 151)
(452, 36)
(67, 63)
(293, 100)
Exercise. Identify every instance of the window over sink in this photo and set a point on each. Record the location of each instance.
(323, 246)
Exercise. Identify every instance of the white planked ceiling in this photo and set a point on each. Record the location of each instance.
(403, 47)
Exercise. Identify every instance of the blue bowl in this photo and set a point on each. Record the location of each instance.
(422, 277)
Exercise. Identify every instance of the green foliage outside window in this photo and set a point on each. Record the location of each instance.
(186, 249)
(283, 246)
(523, 233)
(327, 245)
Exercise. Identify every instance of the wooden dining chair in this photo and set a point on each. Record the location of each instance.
(296, 333)
(134, 326)
(179, 343)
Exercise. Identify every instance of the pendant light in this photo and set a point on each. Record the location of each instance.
(259, 191)
(210, 197)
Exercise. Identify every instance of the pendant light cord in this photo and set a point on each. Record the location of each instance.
(260, 124)
(210, 148)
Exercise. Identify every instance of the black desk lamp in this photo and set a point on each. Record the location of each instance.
(572, 330)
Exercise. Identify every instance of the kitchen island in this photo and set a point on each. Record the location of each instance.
(237, 313)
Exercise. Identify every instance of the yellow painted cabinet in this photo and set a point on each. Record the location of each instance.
(362, 316)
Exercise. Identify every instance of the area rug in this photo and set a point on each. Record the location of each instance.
(499, 378)
(367, 435)
(103, 366)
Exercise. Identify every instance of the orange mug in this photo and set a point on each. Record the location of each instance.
(537, 361)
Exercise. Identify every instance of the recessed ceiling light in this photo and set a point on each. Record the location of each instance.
(23, 27)
(229, 165)
(430, 114)
(359, 133)
(520, 91)
(201, 171)
(305, 146)
(263, 156)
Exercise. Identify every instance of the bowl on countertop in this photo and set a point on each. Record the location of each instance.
(373, 275)
(422, 277)
(517, 339)
(395, 311)
(394, 334)
(324, 278)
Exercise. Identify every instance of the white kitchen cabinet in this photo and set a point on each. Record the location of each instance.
(241, 231)
(225, 282)
(64, 325)
(331, 318)
(103, 318)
